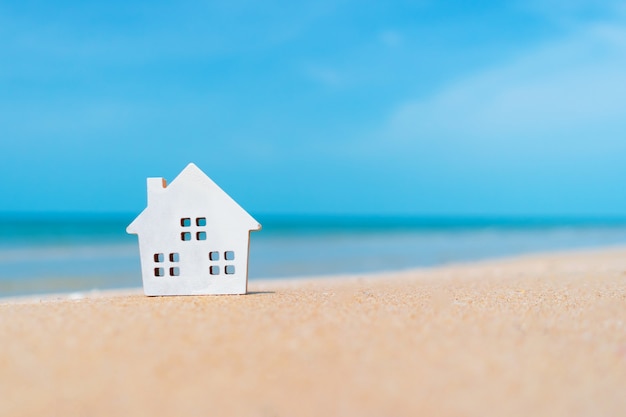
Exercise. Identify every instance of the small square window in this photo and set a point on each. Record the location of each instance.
(185, 236)
(158, 257)
(174, 271)
(185, 222)
(201, 236)
(214, 270)
(229, 269)
(201, 221)
(214, 256)
(159, 272)
(229, 255)
(174, 257)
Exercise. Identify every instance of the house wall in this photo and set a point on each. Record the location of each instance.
(196, 266)
(179, 244)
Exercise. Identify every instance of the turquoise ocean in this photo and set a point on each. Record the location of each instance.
(75, 253)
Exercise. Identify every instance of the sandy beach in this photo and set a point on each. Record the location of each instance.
(532, 336)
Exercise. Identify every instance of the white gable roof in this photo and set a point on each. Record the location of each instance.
(192, 190)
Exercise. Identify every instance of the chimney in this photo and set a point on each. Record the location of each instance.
(155, 187)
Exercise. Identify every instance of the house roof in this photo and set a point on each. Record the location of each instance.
(193, 189)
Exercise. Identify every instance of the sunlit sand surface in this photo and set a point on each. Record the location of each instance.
(539, 335)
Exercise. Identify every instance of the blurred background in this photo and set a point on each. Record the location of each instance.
(364, 136)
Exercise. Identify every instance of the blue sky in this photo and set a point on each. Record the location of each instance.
(343, 107)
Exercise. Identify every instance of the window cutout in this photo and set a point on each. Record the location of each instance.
(174, 271)
(159, 272)
(214, 256)
(201, 221)
(201, 236)
(174, 257)
(229, 269)
(185, 236)
(229, 255)
(158, 257)
(185, 222)
(215, 270)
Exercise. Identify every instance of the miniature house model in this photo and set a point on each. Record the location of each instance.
(193, 238)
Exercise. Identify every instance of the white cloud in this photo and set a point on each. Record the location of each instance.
(324, 75)
(391, 38)
(570, 88)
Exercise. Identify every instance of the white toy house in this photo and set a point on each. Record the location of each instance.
(193, 238)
